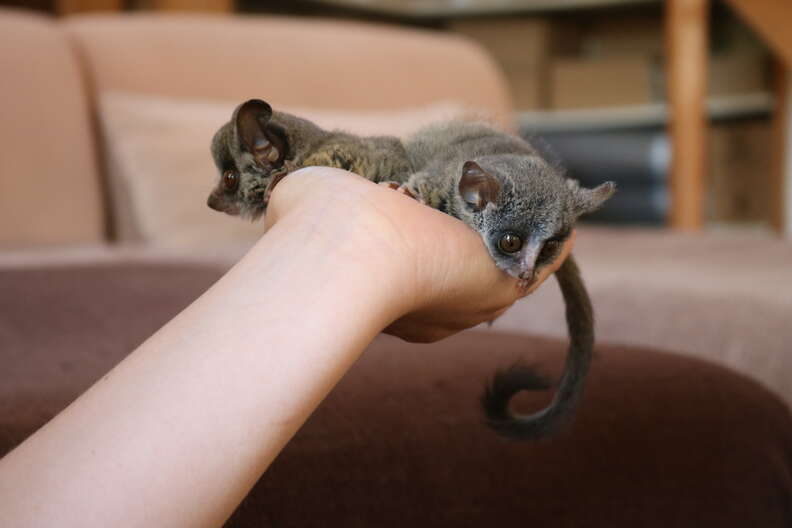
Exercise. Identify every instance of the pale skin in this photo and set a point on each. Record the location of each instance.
(178, 433)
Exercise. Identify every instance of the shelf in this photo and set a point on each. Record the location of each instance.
(650, 115)
(462, 8)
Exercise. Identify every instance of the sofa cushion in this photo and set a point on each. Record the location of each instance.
(49, 184)
(660, 440)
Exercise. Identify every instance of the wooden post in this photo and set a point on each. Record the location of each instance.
(778, 163)
(782, 152)
(686, 50)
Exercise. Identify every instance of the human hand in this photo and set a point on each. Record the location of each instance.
(243, 366)
(440, 275)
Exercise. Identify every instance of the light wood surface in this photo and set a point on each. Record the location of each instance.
(686, 37)
(780, 177)
(772, 19)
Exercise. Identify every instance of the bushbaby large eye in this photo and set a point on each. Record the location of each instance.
(230, 180)
(510, 243)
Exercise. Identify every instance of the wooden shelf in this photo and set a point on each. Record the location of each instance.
(652, 115)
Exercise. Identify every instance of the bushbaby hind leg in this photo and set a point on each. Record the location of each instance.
(423, 186)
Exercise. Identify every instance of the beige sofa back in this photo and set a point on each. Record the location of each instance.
(290, 62)
(49, 182)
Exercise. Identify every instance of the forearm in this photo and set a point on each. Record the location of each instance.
(179, 431)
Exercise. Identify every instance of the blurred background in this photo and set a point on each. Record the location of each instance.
(108, 109)
(594, 81)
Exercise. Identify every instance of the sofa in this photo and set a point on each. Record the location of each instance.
(104, 236)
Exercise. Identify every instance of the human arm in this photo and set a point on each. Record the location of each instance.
(180, 430)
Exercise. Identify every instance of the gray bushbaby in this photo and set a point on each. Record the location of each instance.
(523, 208)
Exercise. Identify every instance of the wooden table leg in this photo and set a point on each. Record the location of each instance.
(686, 50)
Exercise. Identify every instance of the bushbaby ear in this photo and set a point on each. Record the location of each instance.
(588, 200)
(477, 187)
(251, 120)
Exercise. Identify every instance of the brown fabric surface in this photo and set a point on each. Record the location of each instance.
(661, 440)
(49, 185)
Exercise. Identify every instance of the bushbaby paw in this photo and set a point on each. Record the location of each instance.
(401, 188)
(407, 192)
(266, 152)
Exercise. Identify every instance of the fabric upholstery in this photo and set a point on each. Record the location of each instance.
(50, 190)
(160, 171)
(725, 297)
(287, 61)
(660, 440)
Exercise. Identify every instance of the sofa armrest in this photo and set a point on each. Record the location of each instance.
(50, 190)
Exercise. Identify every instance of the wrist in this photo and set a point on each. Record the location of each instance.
(350, 228)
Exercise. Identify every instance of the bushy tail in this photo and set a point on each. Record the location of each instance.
(506, 383)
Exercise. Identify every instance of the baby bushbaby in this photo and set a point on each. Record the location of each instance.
(523, 208)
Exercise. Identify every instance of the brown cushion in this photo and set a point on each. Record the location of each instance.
(661, 440)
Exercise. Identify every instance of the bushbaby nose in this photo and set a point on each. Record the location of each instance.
(214, 202)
